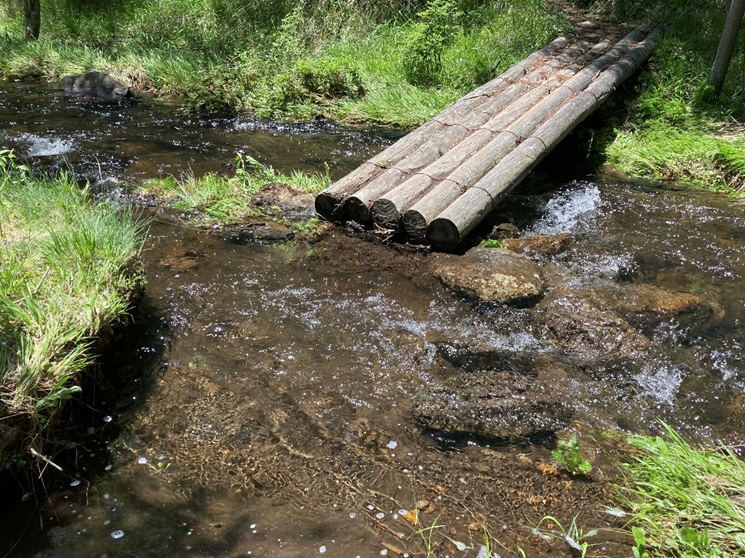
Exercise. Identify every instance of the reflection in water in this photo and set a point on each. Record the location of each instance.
(151, 137)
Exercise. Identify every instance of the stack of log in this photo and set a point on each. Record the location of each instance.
(442, 179)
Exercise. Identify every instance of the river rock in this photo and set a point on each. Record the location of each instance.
(579, 327)
(268, 231)
(292, 203)
(504, 230)
(490, 274)
(495, 404)
(97, 85)
(650, 301)
(539, 244)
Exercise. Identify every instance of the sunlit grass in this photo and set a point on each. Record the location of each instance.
(673, 128)
(257, 55)
(685, 501)
(68, 272)
(663, 152)
(221, 200)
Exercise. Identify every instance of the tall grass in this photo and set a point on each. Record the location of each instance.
(674, 128)
(685, 502)
(67, 272)
(287, 59)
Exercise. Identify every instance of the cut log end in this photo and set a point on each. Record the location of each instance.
(385, 214)
(329, 207)
(443, 234)
(415, 224)
(356, 210)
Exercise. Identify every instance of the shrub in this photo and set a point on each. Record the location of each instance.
(436, 28)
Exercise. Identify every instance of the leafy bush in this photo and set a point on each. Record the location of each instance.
(435, 30)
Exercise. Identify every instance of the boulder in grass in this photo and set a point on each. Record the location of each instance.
(96, 85)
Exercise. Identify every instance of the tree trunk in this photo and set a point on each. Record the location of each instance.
(32, 18)
(726, 45)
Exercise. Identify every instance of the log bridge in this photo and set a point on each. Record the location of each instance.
(439, 182)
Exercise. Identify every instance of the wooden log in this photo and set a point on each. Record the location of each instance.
(387, 209)
(330, 202)
(457, 220)
(449, 177)
(416, 219)
(519, 69)
(358, 205)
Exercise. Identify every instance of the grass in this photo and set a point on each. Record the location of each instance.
(68, 272)
(673, 127)
(663, 152)
(214, 199)
(396, 62)
(685, 501)
(291, 60)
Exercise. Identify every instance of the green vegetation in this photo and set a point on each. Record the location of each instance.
(355, 60)
(396, 62)
(567, 454)
(684, 501)
(674, 128)
(68, 272)
(213, 199)
(573, 535)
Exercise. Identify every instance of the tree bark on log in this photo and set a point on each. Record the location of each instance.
(460, 217)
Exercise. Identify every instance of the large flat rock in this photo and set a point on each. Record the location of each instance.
(490, 274)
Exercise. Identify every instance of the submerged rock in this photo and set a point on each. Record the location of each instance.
(504, 230)
(499, 405)
(579, 327)
(539, 244)
(490, 274)
(651, 302)
(290, 202)
(268, 231)
(95, 84)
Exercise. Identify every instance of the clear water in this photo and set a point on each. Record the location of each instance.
(265, 394)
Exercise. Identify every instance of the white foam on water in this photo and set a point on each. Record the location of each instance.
(572, 211)
(660, 383)
(41, 147)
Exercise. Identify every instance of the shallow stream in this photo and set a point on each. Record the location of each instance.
(266, 393)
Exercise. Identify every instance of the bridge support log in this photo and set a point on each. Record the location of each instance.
(330, 202)
(460, 217)
(443, 178)
(417, 218)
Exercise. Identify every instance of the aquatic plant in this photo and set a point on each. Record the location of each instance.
(567, 454)
(573, 535)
